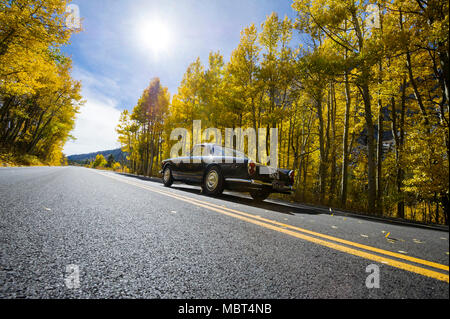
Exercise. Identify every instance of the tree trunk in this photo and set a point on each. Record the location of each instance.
(333, 177)
(370, 148)
(322, 167)
(364, 87)
(345, 149)
(398, 133)
(380, 159)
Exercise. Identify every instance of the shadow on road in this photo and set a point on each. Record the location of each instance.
(284, 207)
(239, 199)
(235, 197)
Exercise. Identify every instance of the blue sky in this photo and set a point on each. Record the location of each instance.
(115, 61)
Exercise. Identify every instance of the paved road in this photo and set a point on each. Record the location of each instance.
(126, 237)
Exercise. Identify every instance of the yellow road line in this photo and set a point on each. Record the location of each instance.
(259, 221)
(336, 239)
(343, 241)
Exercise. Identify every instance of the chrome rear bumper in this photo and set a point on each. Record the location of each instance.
(253, 182)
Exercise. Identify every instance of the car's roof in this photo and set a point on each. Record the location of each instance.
(218, 145)
(208, 144)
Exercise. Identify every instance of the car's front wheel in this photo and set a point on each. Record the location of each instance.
(259, 194)
(213, 182)
(167, 177)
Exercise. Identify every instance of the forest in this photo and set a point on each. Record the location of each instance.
(357, 89)
(39, 99)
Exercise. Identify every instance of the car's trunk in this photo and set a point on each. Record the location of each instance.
(269, 174)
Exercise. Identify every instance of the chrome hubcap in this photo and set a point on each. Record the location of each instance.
(166, 174)
(212, 180)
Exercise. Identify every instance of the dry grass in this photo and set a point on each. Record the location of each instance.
(14, 160)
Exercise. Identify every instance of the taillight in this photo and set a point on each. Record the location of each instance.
(291, 176)
(251, 168)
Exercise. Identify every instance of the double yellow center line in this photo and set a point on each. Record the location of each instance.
(339, 244)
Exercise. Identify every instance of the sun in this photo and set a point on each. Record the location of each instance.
(155, 35)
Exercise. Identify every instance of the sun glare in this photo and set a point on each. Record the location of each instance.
(155, 35)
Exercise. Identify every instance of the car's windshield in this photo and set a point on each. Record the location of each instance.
(215, 150)
(198, 150)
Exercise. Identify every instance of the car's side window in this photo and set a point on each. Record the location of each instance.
(198, 150)
(217, 151)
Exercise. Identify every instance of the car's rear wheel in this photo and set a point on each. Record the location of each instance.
(213, 182)
(167, 177)
(259, 194)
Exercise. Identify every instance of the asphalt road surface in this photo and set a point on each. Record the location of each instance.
(70, 232)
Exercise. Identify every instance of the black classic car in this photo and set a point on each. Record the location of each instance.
(219, 168)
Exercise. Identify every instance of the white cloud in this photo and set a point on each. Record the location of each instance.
(98, 118)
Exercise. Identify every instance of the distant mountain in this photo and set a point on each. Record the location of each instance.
(119, 156)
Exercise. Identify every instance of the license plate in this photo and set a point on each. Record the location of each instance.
(277, 184)
(274, 174)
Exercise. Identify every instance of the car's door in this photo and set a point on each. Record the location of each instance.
(199, 164)
(194, 167)
(180, 167)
